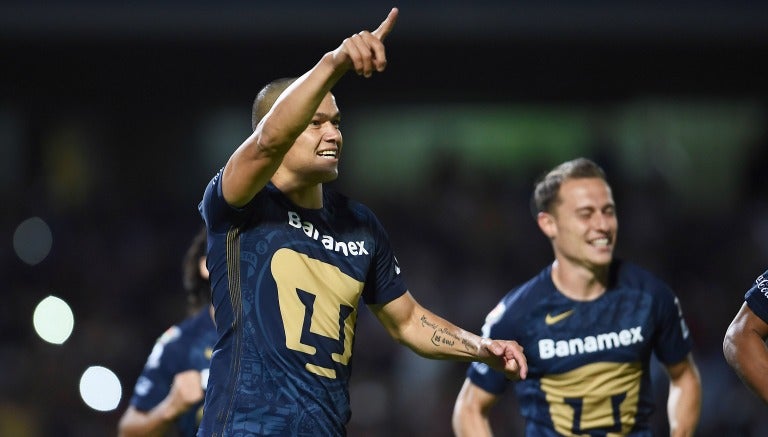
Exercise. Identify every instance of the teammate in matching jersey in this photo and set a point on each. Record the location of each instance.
(744, 343)
(589, 324)
(169, 392)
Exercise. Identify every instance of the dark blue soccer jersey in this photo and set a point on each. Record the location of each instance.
(186, 346)
(287, 282)
(757, 297)
(588, 362)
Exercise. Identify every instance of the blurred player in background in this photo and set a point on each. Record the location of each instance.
(744, 344)
(589, 324)
(169, 393)
(290, 261)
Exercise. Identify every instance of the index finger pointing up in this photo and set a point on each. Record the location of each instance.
(386, 26)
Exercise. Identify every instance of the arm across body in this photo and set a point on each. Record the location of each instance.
(185, 392)
(434, 337)
(745, 350)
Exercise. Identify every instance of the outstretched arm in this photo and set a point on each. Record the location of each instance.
(255, 161)
(684, 401)
(434, 337)
(745, 350)
(185, 392)
(471, 411)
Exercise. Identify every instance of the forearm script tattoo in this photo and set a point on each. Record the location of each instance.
(444, 336)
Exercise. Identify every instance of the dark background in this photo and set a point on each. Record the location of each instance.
(114, 116)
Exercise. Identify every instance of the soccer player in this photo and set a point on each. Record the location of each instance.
(169, 392)
(744, 344)
(589, 323)
(291, 260)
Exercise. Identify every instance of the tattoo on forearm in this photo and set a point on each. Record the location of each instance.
(444, 336)
(470, 345)
(425, 322)
(438, 339)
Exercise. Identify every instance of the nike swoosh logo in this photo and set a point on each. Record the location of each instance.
(551, 320)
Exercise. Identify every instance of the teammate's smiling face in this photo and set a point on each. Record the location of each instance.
(315, 154)
(582, 224)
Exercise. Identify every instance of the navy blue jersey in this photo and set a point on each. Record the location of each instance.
(186, 346)
(757, 297)
(588, 361)
(287, 282)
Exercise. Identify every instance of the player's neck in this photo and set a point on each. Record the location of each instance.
(578, 282)
(308, 196)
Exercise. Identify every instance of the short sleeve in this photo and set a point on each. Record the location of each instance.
(161, 366)
(213, 208)
(757, 297)
(385, 281)
(674, 339)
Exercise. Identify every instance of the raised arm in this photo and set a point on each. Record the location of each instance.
(684, 401)
(255, 161)
(434, 337)
(745, 350)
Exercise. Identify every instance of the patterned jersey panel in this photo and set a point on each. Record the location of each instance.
(291, 287)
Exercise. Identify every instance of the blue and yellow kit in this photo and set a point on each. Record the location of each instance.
(287, 283)
(589, 361)
(185, 346)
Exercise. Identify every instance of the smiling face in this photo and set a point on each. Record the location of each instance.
(582, 223)
(314, 156)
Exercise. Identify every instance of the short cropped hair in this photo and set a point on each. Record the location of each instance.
(546, 189)
(266, 98)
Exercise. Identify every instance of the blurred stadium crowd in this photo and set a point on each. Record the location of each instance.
(110, 139)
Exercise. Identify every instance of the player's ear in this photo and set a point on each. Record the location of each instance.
(547, 224)
(202, 267)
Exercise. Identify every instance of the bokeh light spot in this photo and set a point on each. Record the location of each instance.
(53, 320)
(100, 388)
(32, 240)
